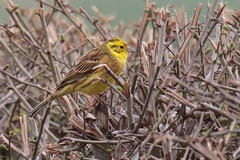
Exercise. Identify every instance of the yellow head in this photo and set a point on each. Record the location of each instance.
(118, 48)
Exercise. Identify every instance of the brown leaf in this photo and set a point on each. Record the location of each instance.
(77, 123)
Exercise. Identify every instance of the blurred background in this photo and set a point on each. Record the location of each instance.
(123, 10)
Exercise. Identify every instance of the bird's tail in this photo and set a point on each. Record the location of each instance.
(39, 107)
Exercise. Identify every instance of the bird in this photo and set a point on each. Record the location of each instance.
(87, 74)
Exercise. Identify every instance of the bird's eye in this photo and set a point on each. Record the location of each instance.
(121, 47)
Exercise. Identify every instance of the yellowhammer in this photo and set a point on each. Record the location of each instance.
(86, 77)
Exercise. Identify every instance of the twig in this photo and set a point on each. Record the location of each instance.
(97, 142)
(94, 22)
(18, 93)
(147, 100)
(73, 21)
(10, 53)
(23, 124)
(5, 140)
(24, 82)
(41, 131)
(48, 46)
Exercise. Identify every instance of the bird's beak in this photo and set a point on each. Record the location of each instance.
(131, 50)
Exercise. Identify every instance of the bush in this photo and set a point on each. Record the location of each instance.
(177, 99)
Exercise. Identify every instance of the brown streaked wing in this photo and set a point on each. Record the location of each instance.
(93, 55)
(77, 72)
(80, 58)
(83, 67)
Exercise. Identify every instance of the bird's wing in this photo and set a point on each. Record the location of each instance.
(85, 66)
